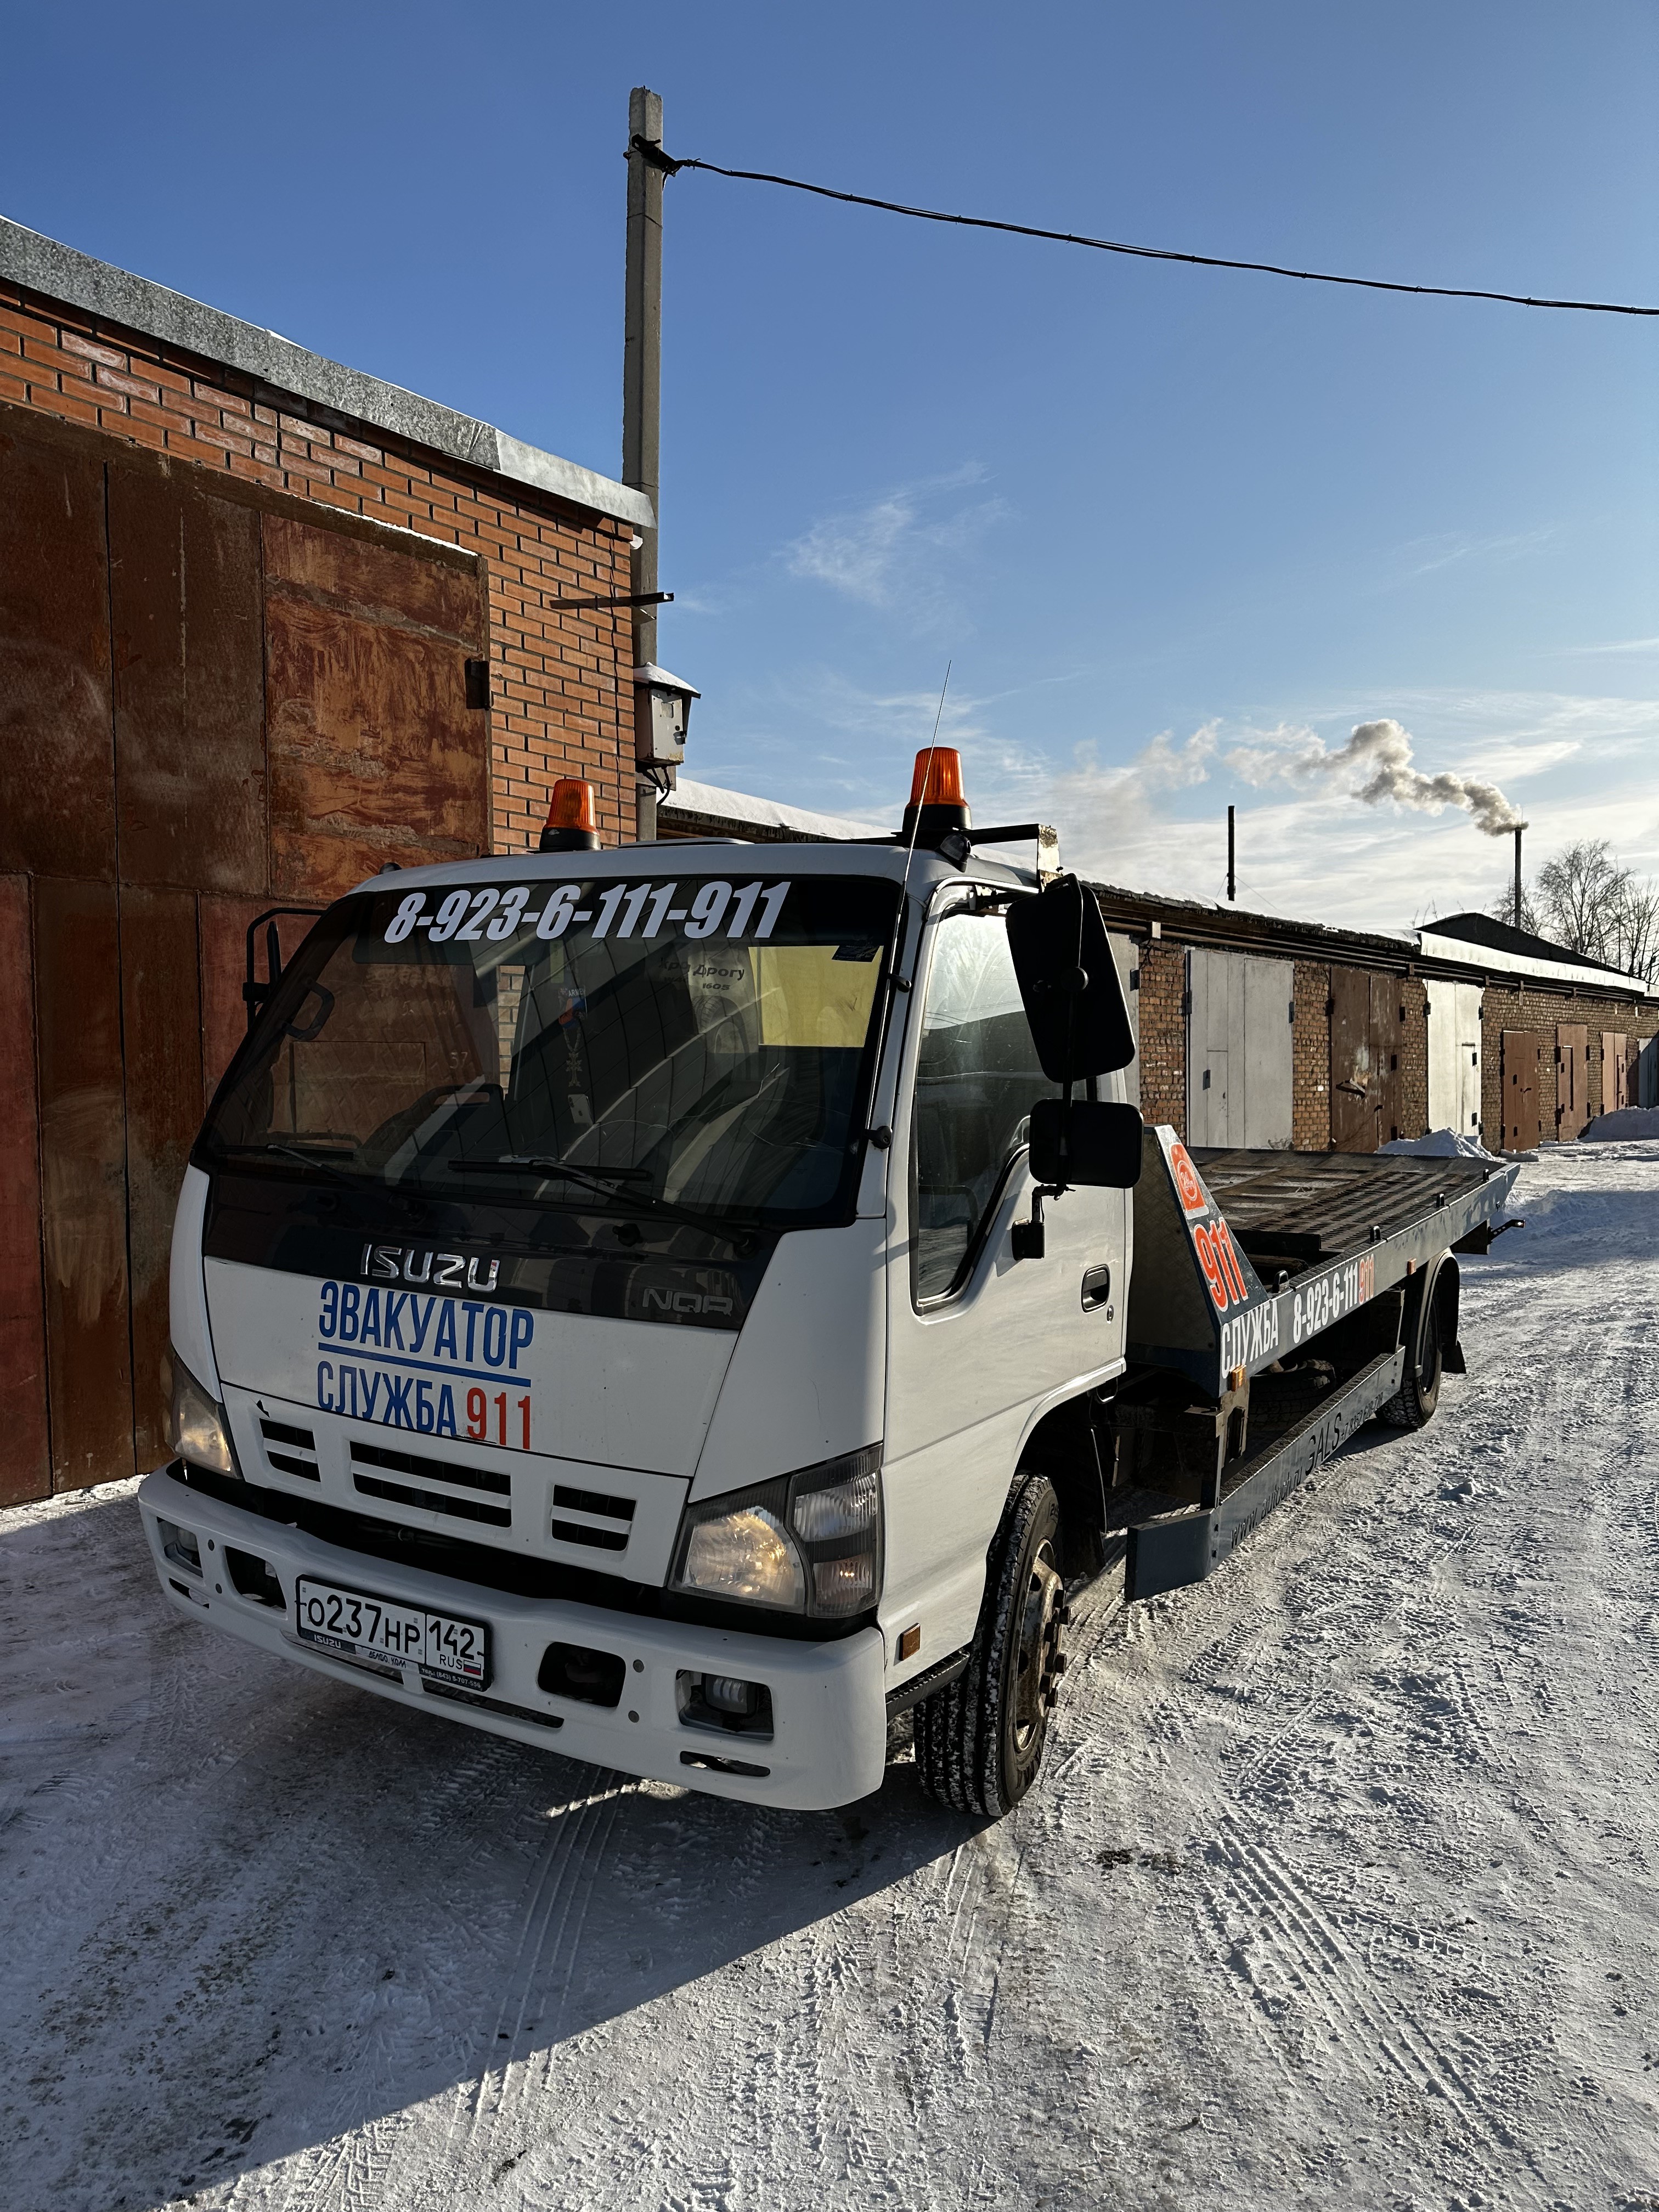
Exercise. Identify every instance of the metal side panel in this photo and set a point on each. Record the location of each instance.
(1167, 1554)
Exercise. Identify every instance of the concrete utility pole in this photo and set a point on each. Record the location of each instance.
(643, 377)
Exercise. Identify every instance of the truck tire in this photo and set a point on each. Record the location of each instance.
(1412, 1405)
(980, 1740)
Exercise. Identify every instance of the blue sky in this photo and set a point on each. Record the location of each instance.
(1170, 527)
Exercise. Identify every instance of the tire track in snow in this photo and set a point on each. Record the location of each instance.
(538, 1958)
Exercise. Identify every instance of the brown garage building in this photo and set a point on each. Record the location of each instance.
(266, 624)
(1258, 1031)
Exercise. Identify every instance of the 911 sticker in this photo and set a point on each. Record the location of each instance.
(745, 912)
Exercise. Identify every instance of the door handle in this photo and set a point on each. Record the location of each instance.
(1097, 1287)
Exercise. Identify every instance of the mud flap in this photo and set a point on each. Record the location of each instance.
(1166, 1554)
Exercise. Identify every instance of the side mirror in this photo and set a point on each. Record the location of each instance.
(1068, 983)
(1087, 1142)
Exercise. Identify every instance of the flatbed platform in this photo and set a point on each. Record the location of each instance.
(1289, 1211)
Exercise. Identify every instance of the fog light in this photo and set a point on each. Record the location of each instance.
(723, 1701)
(179, 1546)
(727, 1693)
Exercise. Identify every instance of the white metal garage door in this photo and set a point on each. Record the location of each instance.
(1239, 1030)
(1126, 953)
(1454, 1057)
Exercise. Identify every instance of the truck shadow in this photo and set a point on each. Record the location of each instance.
(298, 1911)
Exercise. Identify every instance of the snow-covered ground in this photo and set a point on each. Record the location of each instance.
(1338, 1890)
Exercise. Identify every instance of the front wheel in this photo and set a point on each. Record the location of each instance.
(980, 1740)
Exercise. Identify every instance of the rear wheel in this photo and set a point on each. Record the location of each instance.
(1412, 1405)
(980, 1740)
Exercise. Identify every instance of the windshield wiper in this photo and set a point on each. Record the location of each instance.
(319, 1159)
(602, 1183)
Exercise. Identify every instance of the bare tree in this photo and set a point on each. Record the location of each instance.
(1584, 900)
(1637, 938)
(1503, 909)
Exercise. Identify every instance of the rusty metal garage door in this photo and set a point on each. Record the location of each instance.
(205, 700)
(373, 754)
(1523, 1126)
(1571, 1079)
(1366, 1031)
(1615, 1070)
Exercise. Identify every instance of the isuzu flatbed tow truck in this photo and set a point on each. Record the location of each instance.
(682, 1305)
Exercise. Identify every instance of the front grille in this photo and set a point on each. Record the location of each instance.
(602, 1507)
(289, 1465)
(434, 1501)
(282, 1432)
(592, 1501)
(573, 1531)
(432, 1470)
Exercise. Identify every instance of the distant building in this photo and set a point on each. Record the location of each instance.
(1262, 1032)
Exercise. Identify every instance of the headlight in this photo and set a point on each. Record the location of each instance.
(745, 1554)
(196, 1425)
(808, 1542)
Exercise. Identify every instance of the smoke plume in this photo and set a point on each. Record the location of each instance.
(1376, 764)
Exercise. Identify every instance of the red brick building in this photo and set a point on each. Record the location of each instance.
(265, 624)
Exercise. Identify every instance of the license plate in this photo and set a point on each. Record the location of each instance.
(443, 1647)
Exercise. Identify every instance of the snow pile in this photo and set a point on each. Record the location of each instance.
(1624, 1122)
(1441, 1144)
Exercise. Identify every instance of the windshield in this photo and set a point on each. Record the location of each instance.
(702, 1044)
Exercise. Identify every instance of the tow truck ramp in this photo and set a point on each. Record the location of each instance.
(1335, 1236)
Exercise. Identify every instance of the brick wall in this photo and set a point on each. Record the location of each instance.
(1164, 1035)
(1541, 1011)
(561, 686)
(1310, 1050)
(1414, 1057)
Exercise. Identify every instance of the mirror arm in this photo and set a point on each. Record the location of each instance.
(1030, 1238)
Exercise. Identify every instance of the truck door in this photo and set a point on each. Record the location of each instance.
(978, 1339)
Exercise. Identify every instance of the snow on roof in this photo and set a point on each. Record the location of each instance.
(1552, 964)
(723, 806)
(1484, 929)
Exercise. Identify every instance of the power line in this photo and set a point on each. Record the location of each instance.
(657, 159)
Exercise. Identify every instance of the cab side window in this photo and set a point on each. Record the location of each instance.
(977, 1078)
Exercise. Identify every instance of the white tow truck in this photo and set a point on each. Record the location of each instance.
(682, 1305)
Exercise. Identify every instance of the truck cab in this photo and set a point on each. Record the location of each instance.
(684, 1305)
(597, 1310)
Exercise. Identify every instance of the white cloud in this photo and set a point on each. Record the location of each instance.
(899, 552)
(1613, 645)
(1426, 556)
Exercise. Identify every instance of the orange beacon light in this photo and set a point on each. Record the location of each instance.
(570, 818)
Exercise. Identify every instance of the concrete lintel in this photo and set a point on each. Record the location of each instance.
(115, 296)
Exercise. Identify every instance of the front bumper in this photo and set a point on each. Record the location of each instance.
(830, 1728)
